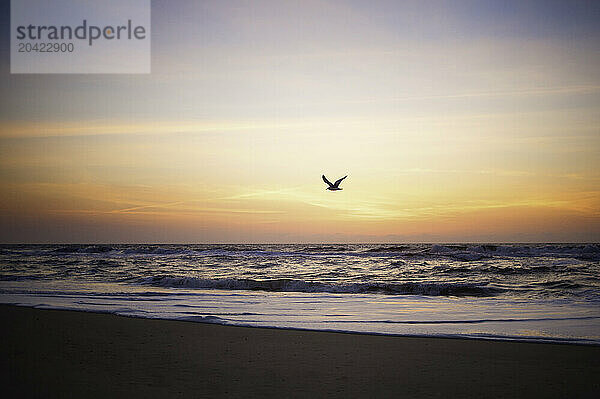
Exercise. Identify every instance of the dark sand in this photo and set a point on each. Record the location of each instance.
(47, 353)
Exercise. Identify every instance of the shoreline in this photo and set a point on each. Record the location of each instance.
(514, 339)
(50, 353)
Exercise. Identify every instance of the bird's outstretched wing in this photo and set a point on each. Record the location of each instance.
(337, 182)
(327, 181)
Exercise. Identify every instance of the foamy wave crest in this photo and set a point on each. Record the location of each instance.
(292, 285)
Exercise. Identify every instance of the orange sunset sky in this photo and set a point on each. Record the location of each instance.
(455, 121)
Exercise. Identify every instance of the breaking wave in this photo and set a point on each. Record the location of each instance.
(292, 285)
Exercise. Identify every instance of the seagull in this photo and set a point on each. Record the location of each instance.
(335, 186)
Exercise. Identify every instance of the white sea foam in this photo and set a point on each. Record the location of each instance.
(490, 318)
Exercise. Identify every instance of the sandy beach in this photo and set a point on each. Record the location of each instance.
(49, 353)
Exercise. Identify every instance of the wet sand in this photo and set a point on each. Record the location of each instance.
(49, 353)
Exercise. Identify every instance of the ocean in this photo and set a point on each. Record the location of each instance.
(525, 292)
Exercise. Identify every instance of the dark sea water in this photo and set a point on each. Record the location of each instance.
(540, 292)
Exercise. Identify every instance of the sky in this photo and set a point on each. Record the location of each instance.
(464, 121)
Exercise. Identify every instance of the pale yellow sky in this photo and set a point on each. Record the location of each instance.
(453, 124)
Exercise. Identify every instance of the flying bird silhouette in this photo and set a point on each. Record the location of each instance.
(335, 186)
